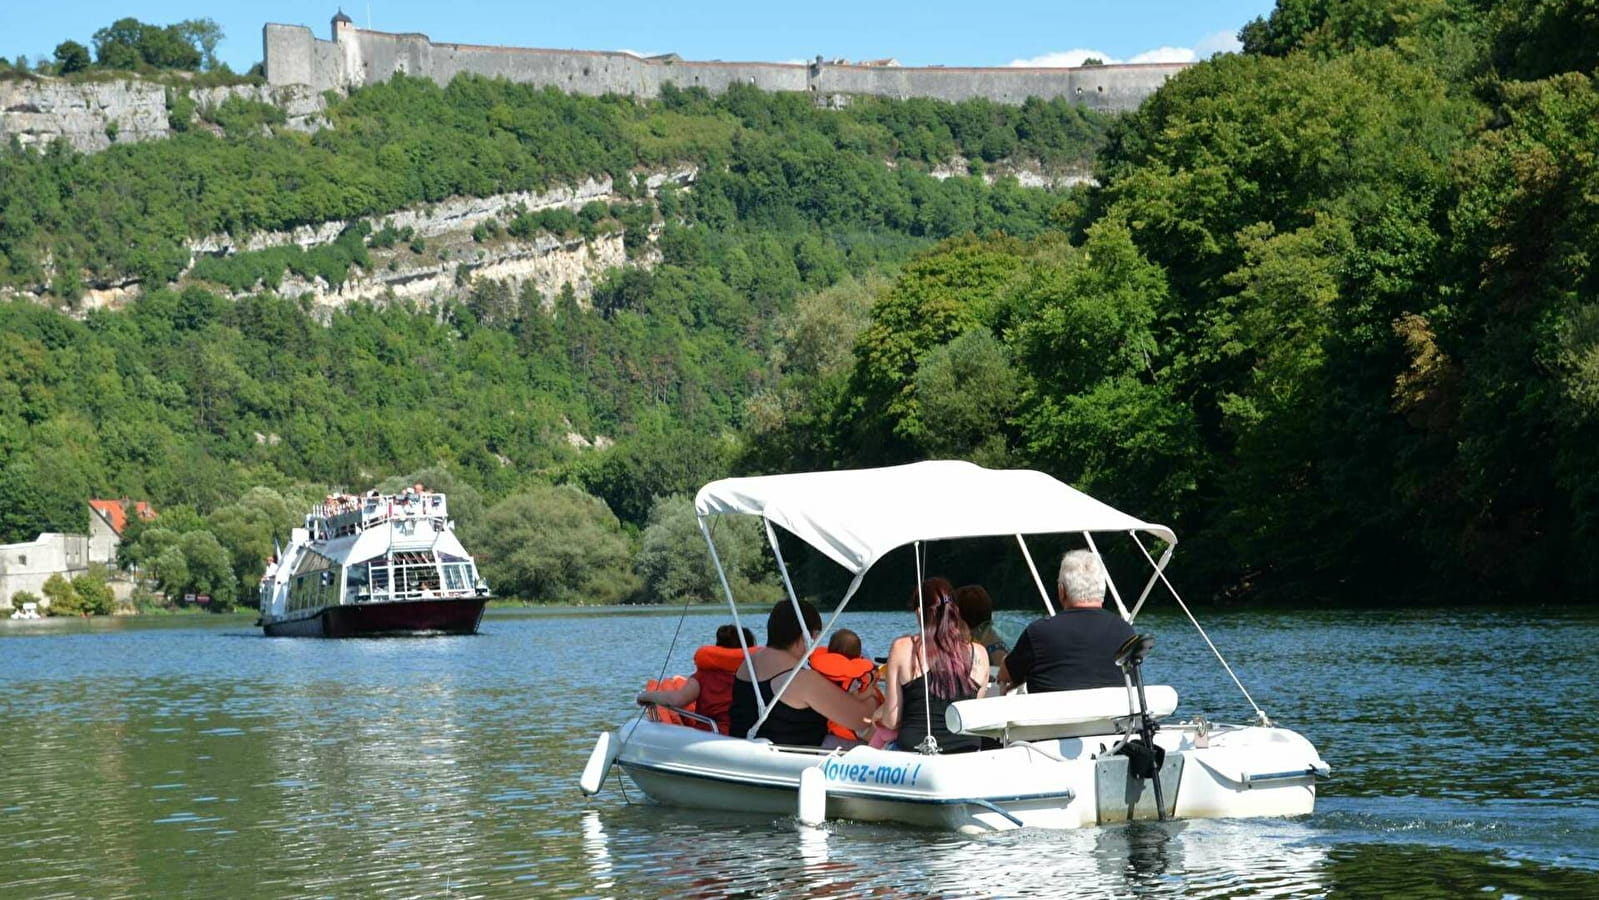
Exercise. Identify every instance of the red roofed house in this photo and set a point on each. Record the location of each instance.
(28, 565)
(107, 520)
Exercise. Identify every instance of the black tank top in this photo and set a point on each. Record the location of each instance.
(914, 711)
(784, 724)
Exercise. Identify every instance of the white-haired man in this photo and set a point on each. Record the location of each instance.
(1076, 647)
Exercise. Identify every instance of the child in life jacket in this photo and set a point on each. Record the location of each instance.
(709, 691)
(841, 663)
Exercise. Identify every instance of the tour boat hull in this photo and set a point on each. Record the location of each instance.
(411, 617)
(1244, 771)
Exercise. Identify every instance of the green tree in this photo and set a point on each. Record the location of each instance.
(204, 34)
(170, 569)
(64, 600)
(210, 569)
(675, 564)
(968, 391)
(557, 545)
(71, 56)
(938, 297)
(94, 596)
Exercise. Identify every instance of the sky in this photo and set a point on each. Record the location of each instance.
(915, 32)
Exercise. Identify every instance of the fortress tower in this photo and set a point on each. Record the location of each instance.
(343, 26)
(356, 56)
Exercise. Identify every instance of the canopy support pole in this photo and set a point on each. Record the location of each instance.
(765, 709)
(716, 560)
(1260, 714)
(929, 743)
(1109, 582)
(1150, 584)
(1037, 579)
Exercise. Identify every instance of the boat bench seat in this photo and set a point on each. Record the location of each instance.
(1054, 714)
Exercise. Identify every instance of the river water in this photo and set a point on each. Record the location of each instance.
(188, 756)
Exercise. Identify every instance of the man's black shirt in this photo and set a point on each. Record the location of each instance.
(1071, 650)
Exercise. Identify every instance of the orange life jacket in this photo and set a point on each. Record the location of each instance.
(661, 713)
(849, 674)
(713, 669)
(720, 659)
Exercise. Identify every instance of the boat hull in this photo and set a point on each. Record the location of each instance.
(1067, 783)
(412, 617)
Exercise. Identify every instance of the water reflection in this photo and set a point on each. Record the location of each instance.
(598, 853)
(706, 856)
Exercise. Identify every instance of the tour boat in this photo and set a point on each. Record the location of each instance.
(1064, 759)
(382, 564)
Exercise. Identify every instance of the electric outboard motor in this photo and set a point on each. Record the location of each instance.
(1144, 756)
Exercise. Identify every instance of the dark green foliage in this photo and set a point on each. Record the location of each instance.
(180, 110)
(1333, 315)
(71, 56)
(265, 268)
(129, 44)
(241, 118)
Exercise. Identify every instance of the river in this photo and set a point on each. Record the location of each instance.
(187, 756)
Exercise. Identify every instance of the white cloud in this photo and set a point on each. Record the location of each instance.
(1204, 48)
(1220, 42)
(1164, 55)
(1065, 59)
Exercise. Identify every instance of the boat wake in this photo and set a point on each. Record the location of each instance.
(1524, 831)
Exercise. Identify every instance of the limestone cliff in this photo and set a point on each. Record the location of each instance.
(453, 258)
(93, 115)
(88, 115)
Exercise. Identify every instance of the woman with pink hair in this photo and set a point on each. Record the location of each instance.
(931, 669)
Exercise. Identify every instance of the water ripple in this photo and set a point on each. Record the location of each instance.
(190, 759)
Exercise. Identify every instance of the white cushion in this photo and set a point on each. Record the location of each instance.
(1055, 713)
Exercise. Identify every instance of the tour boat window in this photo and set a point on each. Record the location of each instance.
(455, 578)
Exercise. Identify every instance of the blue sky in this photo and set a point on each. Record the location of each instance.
(924, 32)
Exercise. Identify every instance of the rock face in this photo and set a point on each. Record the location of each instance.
(88, 115)
(93, 115)
(456, 214)
(303, 108)
(546, 262)
(454, 260)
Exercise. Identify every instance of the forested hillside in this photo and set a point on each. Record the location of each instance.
(191, 400)
(1330, 313)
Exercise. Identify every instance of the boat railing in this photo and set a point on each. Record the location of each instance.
(677, 715)
(385, 596)
(345, 515)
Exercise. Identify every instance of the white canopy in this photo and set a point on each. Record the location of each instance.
(857, 516)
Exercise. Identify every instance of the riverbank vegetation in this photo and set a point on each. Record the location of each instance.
(1330, 312)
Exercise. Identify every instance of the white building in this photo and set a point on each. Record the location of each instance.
(27, 566)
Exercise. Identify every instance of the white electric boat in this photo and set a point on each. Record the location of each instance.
(1062, 760)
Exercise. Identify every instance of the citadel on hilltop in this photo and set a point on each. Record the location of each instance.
(356, 57)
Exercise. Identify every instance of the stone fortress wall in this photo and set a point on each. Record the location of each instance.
(356, 57)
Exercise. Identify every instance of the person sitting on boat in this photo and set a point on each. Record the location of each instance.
(1076, 647)
(709, 691)
(841, 663)
(977, 610)
(930, 670)
(798, 717)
